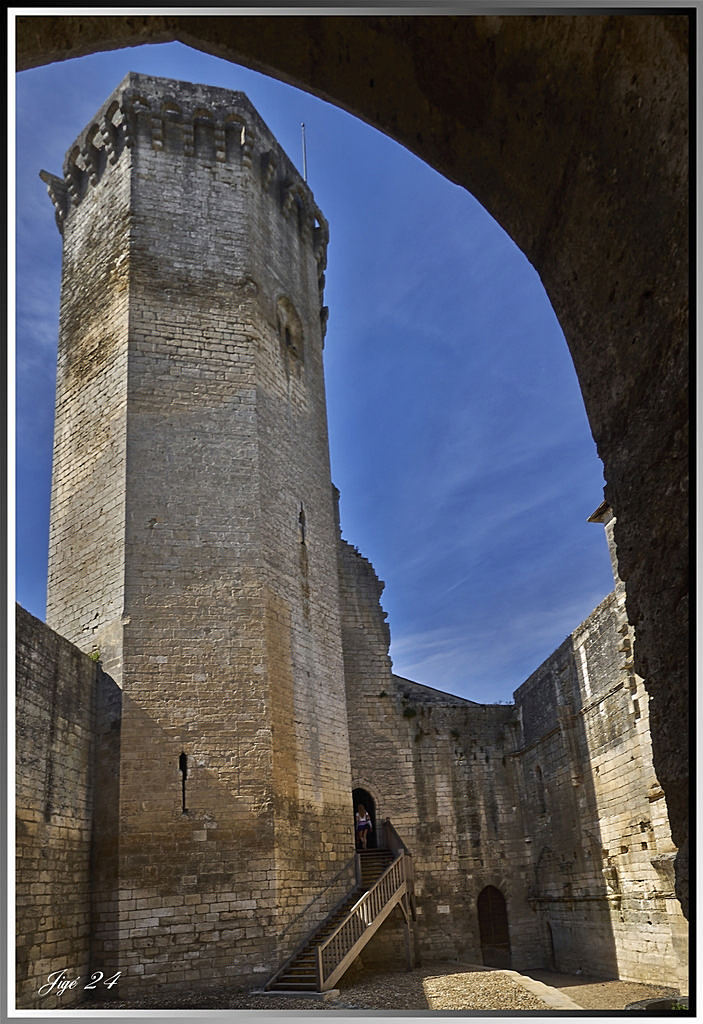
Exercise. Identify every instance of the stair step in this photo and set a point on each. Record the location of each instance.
(284, 983)
(301, 973)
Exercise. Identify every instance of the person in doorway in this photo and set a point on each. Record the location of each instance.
(363, 826)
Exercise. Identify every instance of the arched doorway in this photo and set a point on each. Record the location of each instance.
(362, 796)
(493, 928)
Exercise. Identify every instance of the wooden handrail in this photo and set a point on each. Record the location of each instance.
(369, 910)
(395, 844)
(338, 950)
(391, 839)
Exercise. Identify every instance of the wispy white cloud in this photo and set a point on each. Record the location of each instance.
(489, 663)
(457, 424)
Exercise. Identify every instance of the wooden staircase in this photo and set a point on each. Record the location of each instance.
(300, 975)
(372, 865)
(384, 881)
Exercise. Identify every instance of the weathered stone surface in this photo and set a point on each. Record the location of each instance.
(195, 548)
(55, 715)
(572, 130)
(553, 801)
(193, 542)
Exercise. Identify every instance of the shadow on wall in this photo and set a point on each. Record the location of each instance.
(67, 721)
(105, 844)
(599, 836)
(568, 887)
(112, 871)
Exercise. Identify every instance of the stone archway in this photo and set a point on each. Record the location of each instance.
(572, 131)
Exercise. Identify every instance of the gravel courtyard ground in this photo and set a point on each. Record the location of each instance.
(433, 988)
(592, 994)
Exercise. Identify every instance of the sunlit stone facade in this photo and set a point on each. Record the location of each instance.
(196, 762)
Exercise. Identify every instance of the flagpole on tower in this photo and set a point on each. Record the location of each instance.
(305, 156)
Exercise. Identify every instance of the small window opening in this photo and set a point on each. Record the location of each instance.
(290, 329)
(301, 525)
(183, 769)
(540, 790)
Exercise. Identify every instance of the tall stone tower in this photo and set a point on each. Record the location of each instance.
(193, 535)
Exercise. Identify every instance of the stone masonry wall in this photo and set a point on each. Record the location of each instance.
(229, 641)
(85, 589)
(193, 544)
(553, 801)
(55, 687)
(434, 765)
(380, 762)
(602, 855)
(469, 833)
(370, 693)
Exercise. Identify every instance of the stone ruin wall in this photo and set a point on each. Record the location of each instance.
(601, 849)
(407, 742)
(552, 800)
(55, 686)
(429, 759)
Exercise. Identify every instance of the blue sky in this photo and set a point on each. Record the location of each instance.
(458, 436)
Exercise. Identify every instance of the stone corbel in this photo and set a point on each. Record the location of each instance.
(220, 143)
(188, 130)
(320, 240)
(157, 132)
(612, 882)
(129, 120)
(247, 147)
(664, 866)
(91, 158)
(132, 105)
(288, 200)
(73, 178)
(268, 168)
(56, 187)
(109, 134)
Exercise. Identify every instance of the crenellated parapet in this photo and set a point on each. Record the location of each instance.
(191, 122)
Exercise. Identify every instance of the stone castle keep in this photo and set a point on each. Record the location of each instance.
(212, 692)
